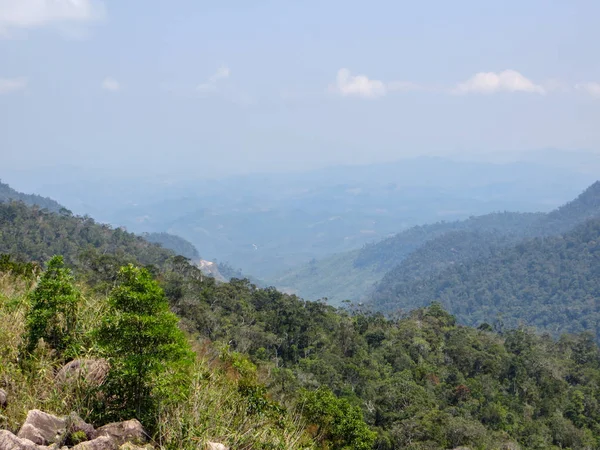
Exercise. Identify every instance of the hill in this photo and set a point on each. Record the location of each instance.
(34, 234)
(273, 371)
(550, 283)
(175, 243)
(8, 194)
(274, 368)
(351, 275)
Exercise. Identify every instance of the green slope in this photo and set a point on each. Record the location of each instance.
(431, 248)
(8, 194)
(351, 275)
(551, 283)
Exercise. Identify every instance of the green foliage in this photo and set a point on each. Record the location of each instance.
(53, 312)
(143, 343)
(339, 424)
(32, 234)
(21, 269)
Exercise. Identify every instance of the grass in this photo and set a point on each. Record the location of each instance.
(217, 409)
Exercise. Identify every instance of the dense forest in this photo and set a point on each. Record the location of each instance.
(35, 234)
(417, 381)
(550, 283)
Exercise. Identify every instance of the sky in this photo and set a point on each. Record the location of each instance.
(213, 88)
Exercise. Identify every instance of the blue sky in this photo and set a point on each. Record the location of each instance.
(220, 87)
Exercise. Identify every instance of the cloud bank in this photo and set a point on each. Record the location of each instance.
(38, 13)
(491, 82)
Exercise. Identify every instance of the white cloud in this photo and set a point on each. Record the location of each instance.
(491, 82)
(38, 13)
(8, 85)
(210, 84)
(591, 88)
(357, 85)
(110, 84)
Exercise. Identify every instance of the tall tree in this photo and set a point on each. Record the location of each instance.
(53, 312)
(143, 343)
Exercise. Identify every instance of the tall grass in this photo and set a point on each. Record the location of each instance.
(215, 409)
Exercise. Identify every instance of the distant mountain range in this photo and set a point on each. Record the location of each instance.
(266, 224)
(423, 250)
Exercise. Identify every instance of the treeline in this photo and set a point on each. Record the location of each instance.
(35, 234)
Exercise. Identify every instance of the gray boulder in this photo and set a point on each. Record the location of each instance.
(76, 424)
(92, 371)
(121, 432)
(42, 428)
(3, 398)
(9, 441)
(215, 446)
(100, 443)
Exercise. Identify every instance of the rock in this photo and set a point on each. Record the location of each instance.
(130, 446)
(92, 371)
(100, 443)
(121, 432)
(76, 424)
(215, 446)
(9, 441)
(42, 428)
(3, 397)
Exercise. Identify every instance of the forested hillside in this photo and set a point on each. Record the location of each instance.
(431, 248)
(294, 374)
(327, 376)
(351, 275)
(31, 233)
(8, 194)
(551, 283)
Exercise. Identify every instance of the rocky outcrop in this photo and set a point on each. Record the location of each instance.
(42, 431)
(122, 432)
(92, 371)
(42, 428)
